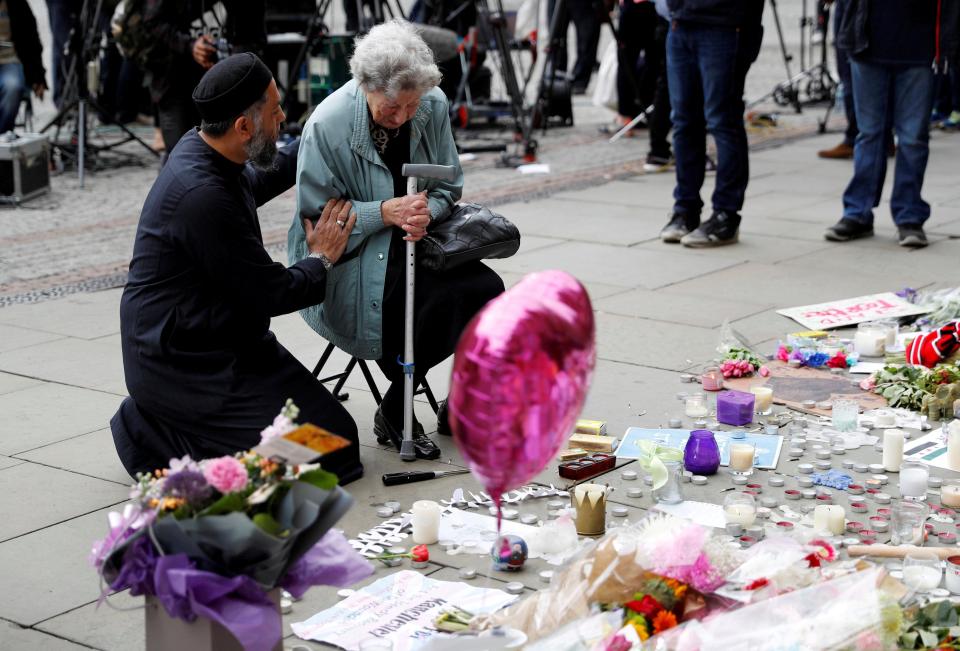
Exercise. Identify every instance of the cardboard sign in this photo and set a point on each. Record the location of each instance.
(401, 608)
(851, 311)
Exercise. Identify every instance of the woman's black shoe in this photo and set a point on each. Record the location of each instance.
(387, 434)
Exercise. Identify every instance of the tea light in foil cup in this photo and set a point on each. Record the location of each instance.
(858, 507)
(885, 513)
(510, 514)
(799, 442)
(805, 468)
(883, 479)
(804, 482)
(546, 576)
(556, 504)
(756, 488)
(822, 454)
(514, 587)
(878, 524)
(795, 452)
(393, 506)
(824, 499)
(947, 538)
(868, 536)
(882, 498)
(776, 482)
(634, 492)
(755, 532)
(763, 512)
(628, 475)
(768, 502)
(838, 450)
(675, 423)
(739, 480)
(620, 511)
(747, 541)
(648, 480)
(698, 480)
(785, 526)
(529, 518)
(384, 512)
(855, 489)
(876, 468)
(860, 467)
(791, 494)
(808, 493)
(848, 464)
(467, 573)
(824, 465)
(934, 482)
(854, 527)
(873, 483)
(734, 529)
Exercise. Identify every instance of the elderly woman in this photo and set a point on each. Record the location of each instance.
(353, 147)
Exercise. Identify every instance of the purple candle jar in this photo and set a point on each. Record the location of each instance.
(701, 456)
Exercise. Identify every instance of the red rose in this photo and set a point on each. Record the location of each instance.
(837, 361)
(420, 554)
(648, 606)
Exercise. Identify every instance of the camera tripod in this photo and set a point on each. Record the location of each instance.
(84, 44)
(813, 84)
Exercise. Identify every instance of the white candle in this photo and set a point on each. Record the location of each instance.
(870, 341)
(950, 495)
(892, 450)
(426, 522)
(741, 457)
(885, 419)
(953, 445)
(743, 514)
(763, 398)
(913, 482)
(829, 518)
(920, 577)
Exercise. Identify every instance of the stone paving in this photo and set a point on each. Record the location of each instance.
(658, 310)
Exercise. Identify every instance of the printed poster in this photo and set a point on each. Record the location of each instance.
(851, 311)
(400, 607)
(767, 445)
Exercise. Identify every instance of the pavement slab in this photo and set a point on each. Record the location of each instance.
(18, 638)
(68, 361)
(14, 338)
(662, 305)
(40, 415)
(93, 455)
(647, 342)
(10, 383)
(73, 493)
(85, 316)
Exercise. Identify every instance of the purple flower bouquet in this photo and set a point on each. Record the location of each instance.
(209, 539)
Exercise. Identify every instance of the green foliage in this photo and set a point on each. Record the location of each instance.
(320, 478)
(269, 524)
(935, 626)
(743, 353)
(227, 504)
(907, 386)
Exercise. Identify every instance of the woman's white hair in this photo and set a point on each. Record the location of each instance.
(393, 57)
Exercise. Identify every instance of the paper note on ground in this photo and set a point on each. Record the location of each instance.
(851, 311)
(400, 607)
(930, 449)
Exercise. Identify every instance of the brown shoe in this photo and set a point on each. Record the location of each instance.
(843, 150)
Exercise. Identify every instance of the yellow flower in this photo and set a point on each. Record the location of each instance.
(641, 628)
(171, 503)
(679, 589)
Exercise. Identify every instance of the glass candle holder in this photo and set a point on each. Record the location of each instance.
(907, 521)
(891, 328)
(671, 493)
(711, 379)
(739, 508)
(844, 415)
(913, 480)
(922, 571)
(701, 456)
(831, 346)
(741, 458)
(950, 493)
(763, 400)
(871, 339)
(695, 405)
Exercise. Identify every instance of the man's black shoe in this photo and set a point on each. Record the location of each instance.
(912, 237)
(722, 228)
(388, 434)
(848, 229)
(443, 422)
(680, 225)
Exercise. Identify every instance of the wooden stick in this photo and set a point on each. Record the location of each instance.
(900, 551)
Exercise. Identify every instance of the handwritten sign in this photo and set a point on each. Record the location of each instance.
(851, 311)
(401, 608)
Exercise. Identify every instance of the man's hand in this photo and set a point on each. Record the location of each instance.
(39, 89)
(333, 227)
(410, 213)
(204, 52)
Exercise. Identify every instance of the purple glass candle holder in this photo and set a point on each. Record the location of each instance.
(701, 456)
(735, 407)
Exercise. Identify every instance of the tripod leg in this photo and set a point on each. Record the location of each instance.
(81, 138)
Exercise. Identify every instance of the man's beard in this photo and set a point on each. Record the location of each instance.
(262, 149)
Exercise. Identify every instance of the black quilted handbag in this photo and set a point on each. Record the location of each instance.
(471, 232)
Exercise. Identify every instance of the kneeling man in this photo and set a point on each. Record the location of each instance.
(204, 372)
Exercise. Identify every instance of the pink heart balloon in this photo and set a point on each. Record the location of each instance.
(520, 377)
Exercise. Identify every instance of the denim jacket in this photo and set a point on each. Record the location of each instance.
(338, 159)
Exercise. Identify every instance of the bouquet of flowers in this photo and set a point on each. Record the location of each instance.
(210, 538)
(656, 607)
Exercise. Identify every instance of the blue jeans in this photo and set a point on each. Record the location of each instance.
(12, 88)
(705, 83)
(911, 90)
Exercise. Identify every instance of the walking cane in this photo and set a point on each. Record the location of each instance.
(413, 172)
